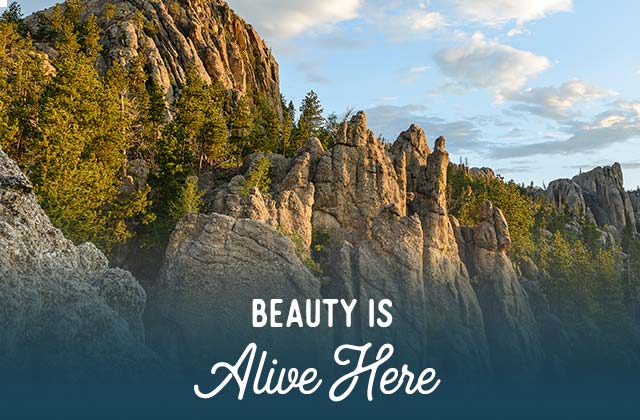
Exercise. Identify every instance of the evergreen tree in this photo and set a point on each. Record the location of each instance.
(265, 130)
(310, 122)
(23, 76)
(81, 141)
(287, 126)
(200, 115)
(240, 127)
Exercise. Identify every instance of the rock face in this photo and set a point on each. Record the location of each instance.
(215, 266)
(512, 330)
(413, 145)
(635, 202)
(172, 36)
(600, 196)
(567, 195)
(376, 219)
(454, 319)
(605, 196)
(355, 181)
(60, 304)
(289, 208)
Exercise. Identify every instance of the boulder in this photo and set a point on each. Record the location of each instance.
(214, 267)
(60, 304)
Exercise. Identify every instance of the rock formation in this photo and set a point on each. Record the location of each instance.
(600, 196)
(348, 208)
(635, 202)
(454, 319)
(215, 266)
(172, 36)
(60, 304)
(565, 194)
(512, 330)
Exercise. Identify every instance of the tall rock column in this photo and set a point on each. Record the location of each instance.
(455, 328)
(511, 327)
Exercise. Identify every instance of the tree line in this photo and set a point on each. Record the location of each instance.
(591, 282)
(75, 129)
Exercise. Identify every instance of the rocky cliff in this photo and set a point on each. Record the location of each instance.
(376, 219)
(171, 37)
(61, 306)
(598, 195)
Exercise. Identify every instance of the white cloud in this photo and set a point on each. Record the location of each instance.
(483, 63)
(558, 103)
(619, 124)
(419, 69)
(411, 74)
(499, 12)
(288, 18)
(422, 21)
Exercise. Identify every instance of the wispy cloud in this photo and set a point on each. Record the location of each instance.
(411, 74)
(484, 63)
(619, 124)
(288, 18)
(313, 72)
(558, 103)
(500, 12)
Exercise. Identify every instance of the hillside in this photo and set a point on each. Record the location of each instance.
(173, 37)
(155, 130)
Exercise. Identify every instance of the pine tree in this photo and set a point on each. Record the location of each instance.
(310, 122)
(200, 114)
(77, 156)
(265, 130)
(287, 126)
(240, 126)
(23, 76)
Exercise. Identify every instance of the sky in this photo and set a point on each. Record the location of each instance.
(535, 89)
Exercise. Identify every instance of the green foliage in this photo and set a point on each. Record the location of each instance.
(301, 251)
(202, 122)
(259, 178)
(265, 129)
(13, 16)
(188, 200)
(72, 130)
(310, 122)
(467, 193)
(286, 129)
(585, 290)
(23, 77)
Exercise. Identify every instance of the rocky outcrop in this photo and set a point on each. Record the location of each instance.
(288, 207)
(60, 304)
(567, 195)
(215, 266)
(170, 37)
(454, 319)
(511, 326)
(598, 195)
(635, 202)
(413, 145)
(376, 220)
(355, 180)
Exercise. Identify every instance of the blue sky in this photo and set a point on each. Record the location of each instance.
(536, 89)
